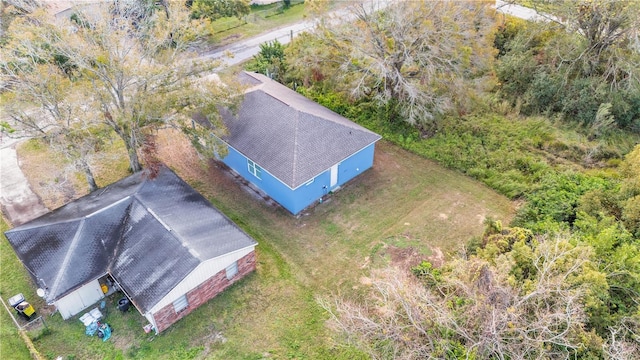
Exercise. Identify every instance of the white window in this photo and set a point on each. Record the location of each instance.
(254, 169)
(180, 304)
(232, 270)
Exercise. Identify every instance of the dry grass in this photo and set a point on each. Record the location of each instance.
(396, 212)
(56, 182)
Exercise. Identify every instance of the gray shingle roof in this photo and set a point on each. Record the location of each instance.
(148, 233)
(290, 136)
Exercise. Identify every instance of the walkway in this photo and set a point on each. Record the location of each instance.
(19, 203)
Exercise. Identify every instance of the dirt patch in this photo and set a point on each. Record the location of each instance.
(437, 257)
(404, 258)
(176, 151)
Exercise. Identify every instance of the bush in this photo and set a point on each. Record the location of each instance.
(556, 199)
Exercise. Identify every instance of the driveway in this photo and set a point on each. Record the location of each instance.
(18, 202)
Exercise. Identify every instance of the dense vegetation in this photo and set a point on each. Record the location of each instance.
(549, 117)
(560, 136)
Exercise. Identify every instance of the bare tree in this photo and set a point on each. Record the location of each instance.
(609, 33)
(476, 309)
(46, 111)
(413, 54)
(132, 70)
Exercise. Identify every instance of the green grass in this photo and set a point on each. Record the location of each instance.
(325, 252)
(229, 30)
(14, 280)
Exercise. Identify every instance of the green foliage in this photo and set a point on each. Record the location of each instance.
(270, 61)
(216, 9)
(506, 32)
(556, 199)
(497, 242)
(427, 273)
(619, 254)
(544, 70)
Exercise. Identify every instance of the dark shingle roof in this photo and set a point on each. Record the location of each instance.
(148, 233)
(290, 136)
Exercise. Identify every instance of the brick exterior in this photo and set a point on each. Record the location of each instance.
(204, 292)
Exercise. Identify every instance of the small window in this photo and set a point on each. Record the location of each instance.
(309, 182)
(232, 270)
(254, 169)
(180, 304)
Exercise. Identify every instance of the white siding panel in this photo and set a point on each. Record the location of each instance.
(80, 299)
(201, 273)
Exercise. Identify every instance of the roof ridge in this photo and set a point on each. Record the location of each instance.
(21, 228)
(67, 258)
(295, 146)
(166, 226)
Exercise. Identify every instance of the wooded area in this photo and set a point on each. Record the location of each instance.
(565, 281)
(545, 113)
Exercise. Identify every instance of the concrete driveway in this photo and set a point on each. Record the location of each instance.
(18, 202)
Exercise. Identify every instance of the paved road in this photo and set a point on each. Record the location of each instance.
(246, 49)
(519, 11)
(20, 204)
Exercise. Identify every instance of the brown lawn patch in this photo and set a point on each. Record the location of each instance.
(402, 211)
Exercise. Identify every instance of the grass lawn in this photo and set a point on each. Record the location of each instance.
(13, 280)
(403, 210)
(261, 19)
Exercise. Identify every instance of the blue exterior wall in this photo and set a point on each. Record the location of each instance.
(298, 199)
(267, 183)
(355, 164)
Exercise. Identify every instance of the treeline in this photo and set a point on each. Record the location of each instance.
(548, 115)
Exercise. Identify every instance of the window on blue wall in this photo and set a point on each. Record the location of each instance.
(254, 169)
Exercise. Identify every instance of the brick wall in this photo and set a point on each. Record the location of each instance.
(204, 292)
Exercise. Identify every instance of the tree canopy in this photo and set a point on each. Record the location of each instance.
(584, 66)
(414, 56)
(520, 297)
(216, 9)
(112, 65)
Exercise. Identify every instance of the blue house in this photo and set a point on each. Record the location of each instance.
(293, 149)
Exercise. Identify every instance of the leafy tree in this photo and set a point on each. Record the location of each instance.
(618, 255)
(606, 27)
(583, 65)
(413, 56)
(66, 128)
(128, 70)
(270, 61)
(216, 9)
(303, 67)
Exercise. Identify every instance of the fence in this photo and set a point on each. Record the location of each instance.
(22, 331)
